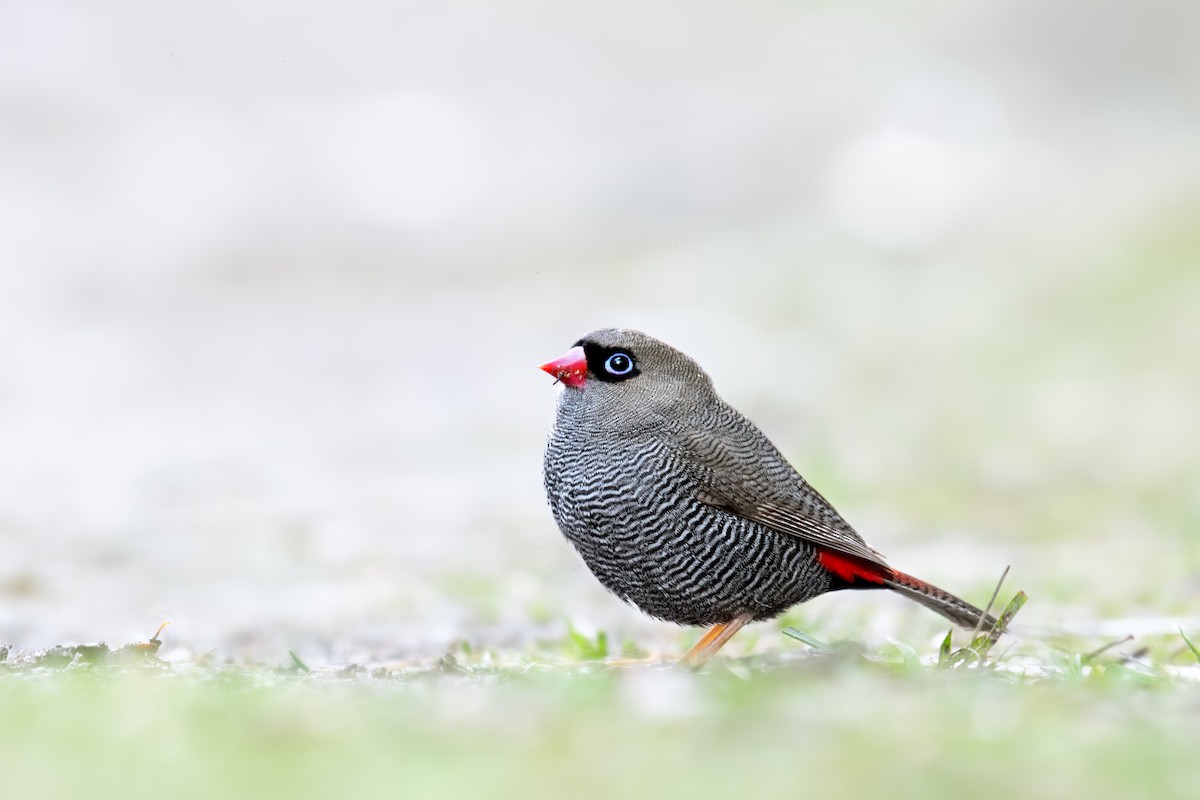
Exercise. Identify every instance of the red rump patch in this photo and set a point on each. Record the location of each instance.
(850, 569)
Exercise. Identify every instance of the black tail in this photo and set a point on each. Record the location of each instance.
(953, 608)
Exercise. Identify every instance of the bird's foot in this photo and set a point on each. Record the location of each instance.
(713, 640)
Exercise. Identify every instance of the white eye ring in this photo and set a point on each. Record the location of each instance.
(618, 364)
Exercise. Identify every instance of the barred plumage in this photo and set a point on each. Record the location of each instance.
(680, 505)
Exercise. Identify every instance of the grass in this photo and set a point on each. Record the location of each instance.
(562, 721)
(1191, 647)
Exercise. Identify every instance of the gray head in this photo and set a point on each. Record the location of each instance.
(618, 376)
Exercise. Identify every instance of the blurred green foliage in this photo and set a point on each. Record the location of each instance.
(820, 728)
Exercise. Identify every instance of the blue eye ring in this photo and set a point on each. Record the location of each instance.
(618, 364)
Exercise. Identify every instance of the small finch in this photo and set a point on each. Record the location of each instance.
(681, 506)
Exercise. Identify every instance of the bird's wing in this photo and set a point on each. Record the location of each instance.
(736, 468)
(794, 519)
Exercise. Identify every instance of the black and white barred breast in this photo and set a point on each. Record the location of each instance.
(628, 503)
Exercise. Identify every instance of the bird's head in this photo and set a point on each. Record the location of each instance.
(614, 374)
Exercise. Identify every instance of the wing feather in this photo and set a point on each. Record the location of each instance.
(736, 468)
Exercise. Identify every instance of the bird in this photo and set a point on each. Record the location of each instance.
(681, 506)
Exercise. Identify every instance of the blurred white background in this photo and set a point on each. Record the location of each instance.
(274, 279)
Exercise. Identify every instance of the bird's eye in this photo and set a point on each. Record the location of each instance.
(618, 364)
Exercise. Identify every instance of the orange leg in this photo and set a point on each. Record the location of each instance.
(713, 640)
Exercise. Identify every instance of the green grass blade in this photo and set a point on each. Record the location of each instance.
(983, 643)
(1188, 642)
(585, 648)
(297, 664)
(944, 650)
(801, 636)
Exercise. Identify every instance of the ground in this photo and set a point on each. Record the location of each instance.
(566, 719)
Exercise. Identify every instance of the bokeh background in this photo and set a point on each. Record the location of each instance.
(274, 279)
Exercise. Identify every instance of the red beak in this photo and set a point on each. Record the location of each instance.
(570, 367)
